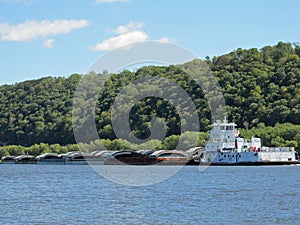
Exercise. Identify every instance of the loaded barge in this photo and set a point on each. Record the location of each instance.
(224, 147)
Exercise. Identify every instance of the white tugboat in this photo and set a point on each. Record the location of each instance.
(225, 147)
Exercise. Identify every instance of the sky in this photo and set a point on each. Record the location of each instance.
(41, 38)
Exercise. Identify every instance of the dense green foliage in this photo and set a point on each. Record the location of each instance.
(37, 111)
(261, 89)
(261, 86)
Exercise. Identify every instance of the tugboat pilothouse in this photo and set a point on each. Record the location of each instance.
(226, 147)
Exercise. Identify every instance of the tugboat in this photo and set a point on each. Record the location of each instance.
(226, 147)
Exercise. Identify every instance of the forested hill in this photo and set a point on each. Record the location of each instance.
(261, 88)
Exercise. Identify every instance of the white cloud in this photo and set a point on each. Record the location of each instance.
(110, 1)
(121, 40)
(48, 43)
(126, 35)
(33, 29)
(164, 40)
(128, 28)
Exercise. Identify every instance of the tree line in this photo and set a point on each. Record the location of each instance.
(261, 88)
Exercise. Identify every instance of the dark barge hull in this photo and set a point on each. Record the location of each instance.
(26, 161)
(145, 162)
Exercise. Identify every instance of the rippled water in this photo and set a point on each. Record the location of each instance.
(73, 194)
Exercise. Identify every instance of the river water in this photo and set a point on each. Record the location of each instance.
(76, 194)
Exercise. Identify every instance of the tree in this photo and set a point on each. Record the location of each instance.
(171, 142)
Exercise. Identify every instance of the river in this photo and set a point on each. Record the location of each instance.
(76, 194)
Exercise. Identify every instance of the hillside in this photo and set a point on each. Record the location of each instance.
(261, 88)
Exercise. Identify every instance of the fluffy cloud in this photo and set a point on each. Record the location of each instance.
(128, 28)
(33, 29)
(164, 40)
(48, 43)
(110, 1)
(126, 35)
(121, 40)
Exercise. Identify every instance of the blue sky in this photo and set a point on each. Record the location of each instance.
(59, 37)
